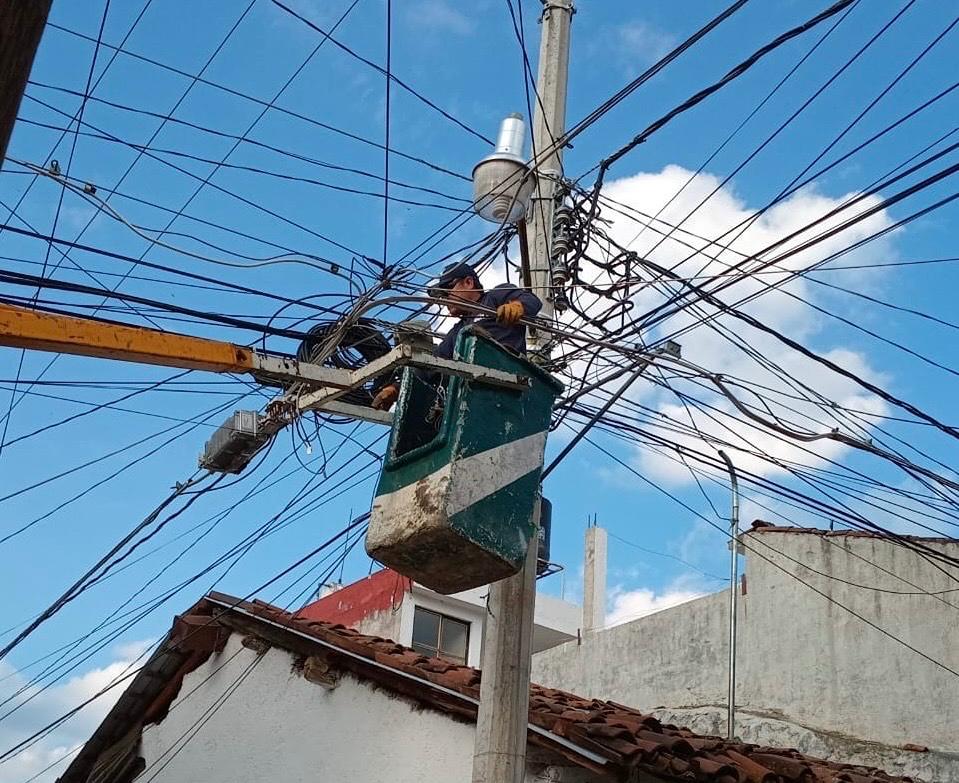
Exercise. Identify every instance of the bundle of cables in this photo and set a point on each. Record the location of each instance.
(347, 348)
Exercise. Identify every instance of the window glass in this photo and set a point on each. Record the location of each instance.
(437, 635)
(426, 630)
(454, 637)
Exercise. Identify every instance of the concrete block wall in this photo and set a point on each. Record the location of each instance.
(802, 657)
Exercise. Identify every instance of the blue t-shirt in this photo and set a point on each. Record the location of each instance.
(511, 336)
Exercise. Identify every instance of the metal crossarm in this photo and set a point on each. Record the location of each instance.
(398, 357)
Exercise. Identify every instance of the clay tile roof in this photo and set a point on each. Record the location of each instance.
(625, 738)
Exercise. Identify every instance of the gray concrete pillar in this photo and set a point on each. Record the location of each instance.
(594, 580)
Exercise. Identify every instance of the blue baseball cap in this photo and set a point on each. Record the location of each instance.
(458, 270)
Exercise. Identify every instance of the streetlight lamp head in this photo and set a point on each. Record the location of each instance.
(503, 182)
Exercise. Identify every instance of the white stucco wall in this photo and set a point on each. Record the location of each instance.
(386, 623)
(277, 726)
(802, 659)
(671, 658)
(831, 668)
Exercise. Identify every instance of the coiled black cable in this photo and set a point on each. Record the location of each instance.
(357, 346)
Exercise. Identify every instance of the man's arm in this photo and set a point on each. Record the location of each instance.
(510, 293)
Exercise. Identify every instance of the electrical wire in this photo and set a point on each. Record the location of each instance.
(56, 216)
(384, 71)
(104, 562)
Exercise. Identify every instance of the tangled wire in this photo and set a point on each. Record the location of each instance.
(347, 349)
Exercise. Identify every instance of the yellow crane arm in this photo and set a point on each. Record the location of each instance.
(21, 327)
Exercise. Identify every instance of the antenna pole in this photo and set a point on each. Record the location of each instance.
(733, 593)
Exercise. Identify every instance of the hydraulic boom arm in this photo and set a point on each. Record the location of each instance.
(21, 327)
(24, 328)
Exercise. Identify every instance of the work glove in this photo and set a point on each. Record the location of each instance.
(510, 313)
(386, 396)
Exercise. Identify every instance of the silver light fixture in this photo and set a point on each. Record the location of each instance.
(503, 182)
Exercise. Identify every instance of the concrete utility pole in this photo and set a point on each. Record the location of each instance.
(499, 752)
(503, 715)
(21, 25)
(549, 124)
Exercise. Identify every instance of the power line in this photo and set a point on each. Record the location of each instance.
(104, 562)
(825, 595)
(795, 183)
(253, 99)
(56, 216)
(650, 72)
(75, 116)
(792, 117)
(27, 742)
(733, 74)
(667, 555)
(236, 552)
(96, 460)
(126, 173)
(111, 405)
(23, 279)
(791, 274)
(209, 175)
(295, 157)
(919, 591)
(742, 124)
(385, 71)
(172, 270)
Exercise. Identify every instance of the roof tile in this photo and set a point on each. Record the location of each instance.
(755, 772)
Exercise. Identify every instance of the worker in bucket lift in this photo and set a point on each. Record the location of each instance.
(503, 307)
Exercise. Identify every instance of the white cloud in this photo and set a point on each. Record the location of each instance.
(702, 542)
(781, 309)
(642, 43)
(440, 16)
(48, 705)
(626, 605)
(76, 218)
(631, 45)
(132, 650)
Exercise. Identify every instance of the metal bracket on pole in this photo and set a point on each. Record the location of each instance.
(232, 448)
(399, 356)
(361, 412)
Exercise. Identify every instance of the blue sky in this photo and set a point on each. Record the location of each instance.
(468, 62)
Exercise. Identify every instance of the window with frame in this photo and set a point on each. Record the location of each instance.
(440, 636)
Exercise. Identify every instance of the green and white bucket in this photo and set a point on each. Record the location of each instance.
(454, 505)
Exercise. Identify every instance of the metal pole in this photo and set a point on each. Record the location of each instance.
(499, 754)
(733, 594)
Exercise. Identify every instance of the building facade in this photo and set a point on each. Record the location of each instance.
(243, 691)
(848, 648)
(389, 605)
